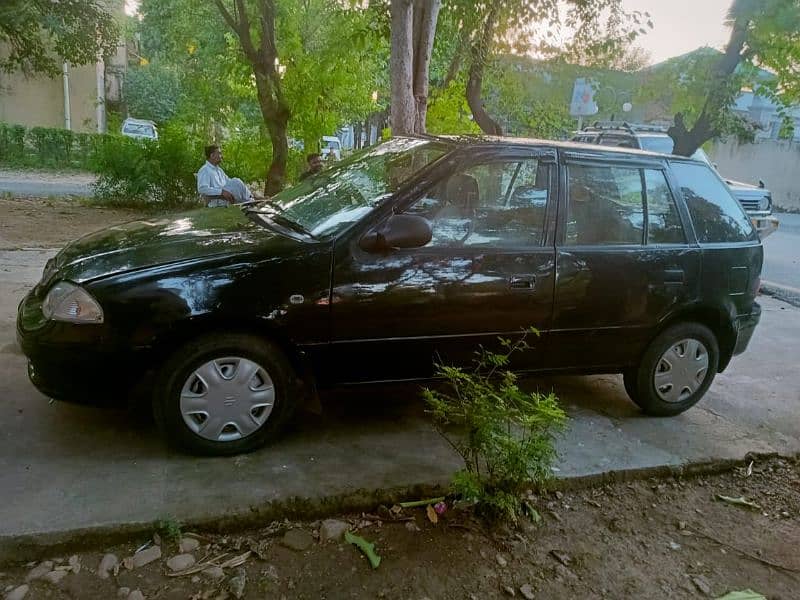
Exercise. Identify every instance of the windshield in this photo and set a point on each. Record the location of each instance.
(327, 203)
(665, 145)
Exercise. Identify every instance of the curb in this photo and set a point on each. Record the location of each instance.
(28, 547)
(779, 292)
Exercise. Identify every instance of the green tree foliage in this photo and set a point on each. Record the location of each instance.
(600, 31)
(41, 34)
(153, 91)
(448, 111)
(331, 58)
(763, 53)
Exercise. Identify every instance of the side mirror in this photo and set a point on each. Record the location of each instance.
(399, 231)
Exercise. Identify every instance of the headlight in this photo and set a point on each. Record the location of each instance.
(764, 203)
(68, 302)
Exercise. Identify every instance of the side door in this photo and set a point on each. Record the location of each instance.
(488, 271)
(623, 262)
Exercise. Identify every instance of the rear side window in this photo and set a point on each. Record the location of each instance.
(663, 223)
(716, 214)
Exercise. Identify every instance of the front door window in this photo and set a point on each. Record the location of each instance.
(497, 204)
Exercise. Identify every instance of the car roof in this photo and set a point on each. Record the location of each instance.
(568, 146)
(138, 121)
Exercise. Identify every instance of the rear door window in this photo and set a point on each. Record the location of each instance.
(605, 206)
(717, 216)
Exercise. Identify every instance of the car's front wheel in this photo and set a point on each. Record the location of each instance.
(676, 370)
(224, 394)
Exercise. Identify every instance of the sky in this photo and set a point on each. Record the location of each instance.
(680, 26)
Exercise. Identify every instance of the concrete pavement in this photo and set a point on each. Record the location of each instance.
(67, 469)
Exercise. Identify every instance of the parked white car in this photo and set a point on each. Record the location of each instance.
(331, 145)
(140, 129)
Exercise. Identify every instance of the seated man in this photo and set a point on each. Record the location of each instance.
(214, 185)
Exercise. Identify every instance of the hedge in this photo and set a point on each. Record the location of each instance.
(47, 147)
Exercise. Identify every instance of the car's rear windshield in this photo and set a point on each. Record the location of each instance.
(716, 214)
(330, 201)
(665, 145)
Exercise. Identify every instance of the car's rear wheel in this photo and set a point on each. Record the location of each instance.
(676, 370)
(224, 394)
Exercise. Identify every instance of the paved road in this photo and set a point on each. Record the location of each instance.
(43, 184)
(781, 273)
(65, 468)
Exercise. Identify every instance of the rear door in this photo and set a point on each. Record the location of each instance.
(623, 261)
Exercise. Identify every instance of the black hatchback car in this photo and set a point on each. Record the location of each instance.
(626, 262)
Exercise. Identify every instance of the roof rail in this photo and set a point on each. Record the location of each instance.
(629, 127)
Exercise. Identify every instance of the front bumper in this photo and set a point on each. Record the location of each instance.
(75, 363)
(765, 225)
(745, 326)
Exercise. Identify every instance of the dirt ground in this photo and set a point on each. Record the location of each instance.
(671, 538)
(52, 222)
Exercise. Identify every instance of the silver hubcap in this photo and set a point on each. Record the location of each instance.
(681, 370)
(227, 399)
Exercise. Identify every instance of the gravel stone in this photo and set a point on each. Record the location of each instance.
(145, 557)
(123, 592)
(75, 563)
(238, 582)
(702, 584)
(332, 529)
(187, 545)
(136, 595)
(39, 570)
(180, 562)
(213, 573)
(527, 592)
(55, 577)
(501, 560)
(107, 564)
(18, 593)
(298, 539)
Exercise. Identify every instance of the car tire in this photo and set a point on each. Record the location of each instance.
(676, 370)
(224, 394)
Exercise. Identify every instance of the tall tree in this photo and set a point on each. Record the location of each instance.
(413, 26)
(765, 34)
(42, 34)
(261, 53)
(516, 26)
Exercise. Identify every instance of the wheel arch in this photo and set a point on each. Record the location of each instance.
(717, 319)
(169, 341)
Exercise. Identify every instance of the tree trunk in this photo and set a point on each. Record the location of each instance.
(426, 13)
(479, 55)
(413, 30)
(262, 59)
(401, 66)
(687, 141)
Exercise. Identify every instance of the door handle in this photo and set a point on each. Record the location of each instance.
(674, 276)
(522, 283)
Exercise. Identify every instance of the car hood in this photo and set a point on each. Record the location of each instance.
(140, 244)
(745, 188)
